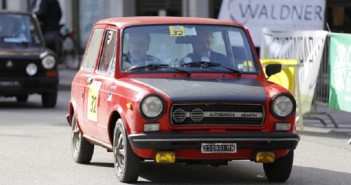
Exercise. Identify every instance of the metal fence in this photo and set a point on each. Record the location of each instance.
(321, 96)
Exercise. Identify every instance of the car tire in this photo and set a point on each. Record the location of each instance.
(126, 163)
(82, 150)
(280, 169)
(22, 98)
(49, 99)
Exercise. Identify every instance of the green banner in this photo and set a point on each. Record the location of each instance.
(340, 72)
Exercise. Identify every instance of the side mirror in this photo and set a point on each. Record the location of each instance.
(272, 69)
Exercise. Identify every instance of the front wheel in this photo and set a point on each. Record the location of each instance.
(279, 170)
(49, 99)
(126, 163)
(82, 150)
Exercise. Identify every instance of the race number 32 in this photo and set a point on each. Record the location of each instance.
(176, 31)
(92, 103)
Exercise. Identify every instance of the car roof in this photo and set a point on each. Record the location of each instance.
(122, 22)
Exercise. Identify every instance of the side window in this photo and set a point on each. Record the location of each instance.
(33, 32)
(108, 54)
(92, 50)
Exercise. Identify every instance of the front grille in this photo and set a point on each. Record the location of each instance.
(217, 114)
(17, 67)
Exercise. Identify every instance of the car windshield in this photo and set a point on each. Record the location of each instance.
(186, 48)
(18, 29)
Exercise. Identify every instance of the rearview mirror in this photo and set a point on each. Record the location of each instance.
(272, 69)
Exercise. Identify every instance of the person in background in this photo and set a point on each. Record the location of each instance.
(49, 14)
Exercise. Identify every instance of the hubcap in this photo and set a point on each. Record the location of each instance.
(76, 136)
(119, 152)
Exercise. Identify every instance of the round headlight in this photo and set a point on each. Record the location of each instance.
(283, 106)
(151, 107)
(49, 62)
(31, 69)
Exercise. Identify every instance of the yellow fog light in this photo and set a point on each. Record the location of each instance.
(265, 157)
(165, 157)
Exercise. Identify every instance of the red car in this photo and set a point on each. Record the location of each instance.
(27, 66)
(174, 89)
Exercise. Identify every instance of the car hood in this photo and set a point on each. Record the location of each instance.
(242, 90)
(18, 51)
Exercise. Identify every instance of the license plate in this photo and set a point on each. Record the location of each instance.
(218, 148)
(10, 84)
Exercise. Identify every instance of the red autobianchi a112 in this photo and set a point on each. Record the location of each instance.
(173, 89)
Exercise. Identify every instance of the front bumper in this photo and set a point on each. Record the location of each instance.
(17, 86)
(189, 141)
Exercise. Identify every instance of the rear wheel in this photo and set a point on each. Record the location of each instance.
(280, 169)
(126, 163)
(82, 150)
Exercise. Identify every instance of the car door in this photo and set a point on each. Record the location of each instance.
(101, 89)
(98, 93)
(86, 78)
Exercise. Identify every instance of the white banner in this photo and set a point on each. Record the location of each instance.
(305, 46)
(279, 15)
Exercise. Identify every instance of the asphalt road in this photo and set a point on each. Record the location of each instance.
(35, 150)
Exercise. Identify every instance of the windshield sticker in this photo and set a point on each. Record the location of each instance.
(109, 37)
(176, 31)
(248, 66)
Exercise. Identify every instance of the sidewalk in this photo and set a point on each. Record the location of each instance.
(322, 121)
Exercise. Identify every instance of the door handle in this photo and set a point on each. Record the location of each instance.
(90, 80)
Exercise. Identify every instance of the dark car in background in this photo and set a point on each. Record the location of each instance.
(26, 65)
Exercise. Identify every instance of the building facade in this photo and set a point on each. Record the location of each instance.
(79, 15)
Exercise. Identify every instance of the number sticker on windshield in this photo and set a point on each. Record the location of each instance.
(93, 96)
(176, 31)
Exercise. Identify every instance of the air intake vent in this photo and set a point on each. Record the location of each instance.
(179, 115)
(217, 114)
(197, 115)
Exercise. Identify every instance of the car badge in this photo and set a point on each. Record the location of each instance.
(9, 64)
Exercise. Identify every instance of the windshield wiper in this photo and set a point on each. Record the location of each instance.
(157, 66)
(201, 64)
(210, 64)
(231, 69)
(149, 67)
